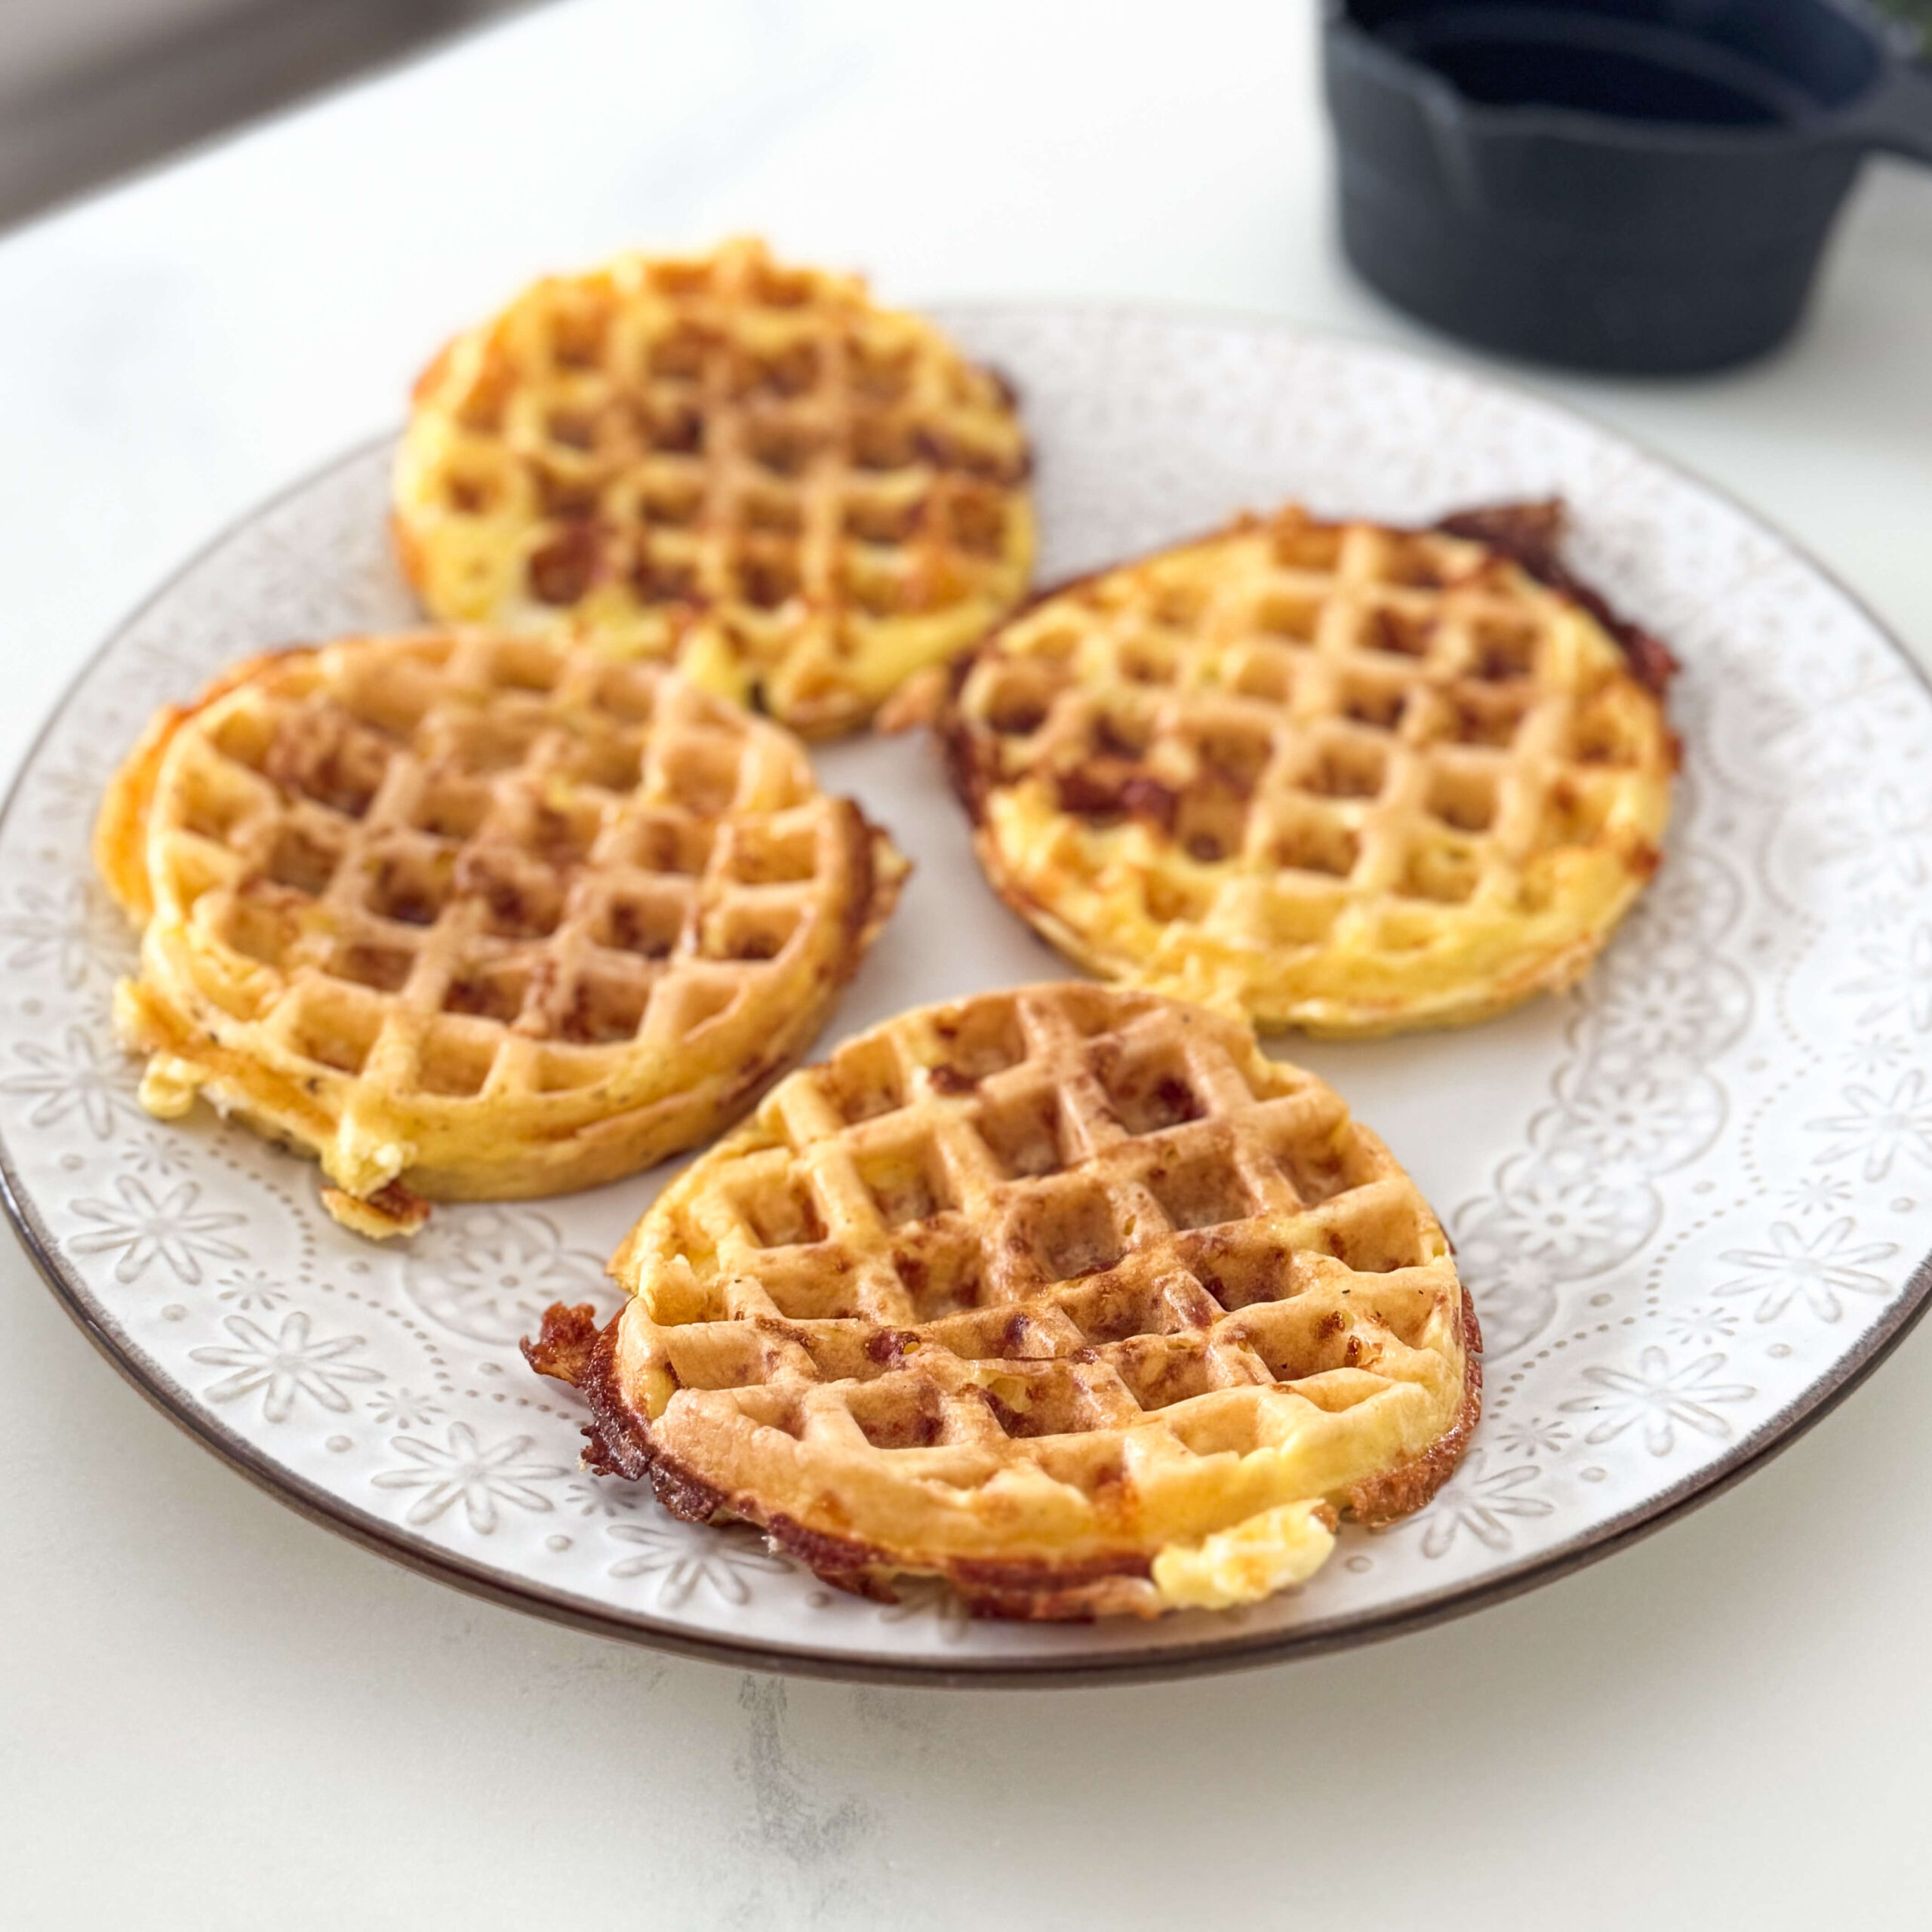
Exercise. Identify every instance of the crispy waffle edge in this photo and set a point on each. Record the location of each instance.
(571, 1348)
(1528, 531)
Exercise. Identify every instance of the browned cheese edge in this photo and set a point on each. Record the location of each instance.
(571, 1348)
(1527, 533)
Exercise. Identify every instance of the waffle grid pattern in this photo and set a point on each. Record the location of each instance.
(1039, 1267)
(1341, 752)
(745, 465)
(468, 872)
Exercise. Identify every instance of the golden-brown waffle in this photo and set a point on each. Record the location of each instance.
(1068, 1294)
(1334, 776)
(479, 916)
(802, 498)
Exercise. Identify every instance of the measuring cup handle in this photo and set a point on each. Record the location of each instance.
(1899, 117)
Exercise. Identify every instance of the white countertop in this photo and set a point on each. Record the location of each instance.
(214, 1713)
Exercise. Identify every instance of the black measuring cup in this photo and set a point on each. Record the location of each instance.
(1642, 186)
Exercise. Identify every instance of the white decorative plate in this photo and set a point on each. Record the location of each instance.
(1690, 1199)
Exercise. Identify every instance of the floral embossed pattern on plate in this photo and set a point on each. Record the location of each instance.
(1690, 1198)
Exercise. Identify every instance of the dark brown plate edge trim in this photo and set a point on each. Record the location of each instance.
(1774, 1436)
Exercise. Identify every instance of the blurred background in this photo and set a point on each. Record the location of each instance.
(91, 89)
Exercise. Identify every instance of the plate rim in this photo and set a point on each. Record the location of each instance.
(1213, 1655)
